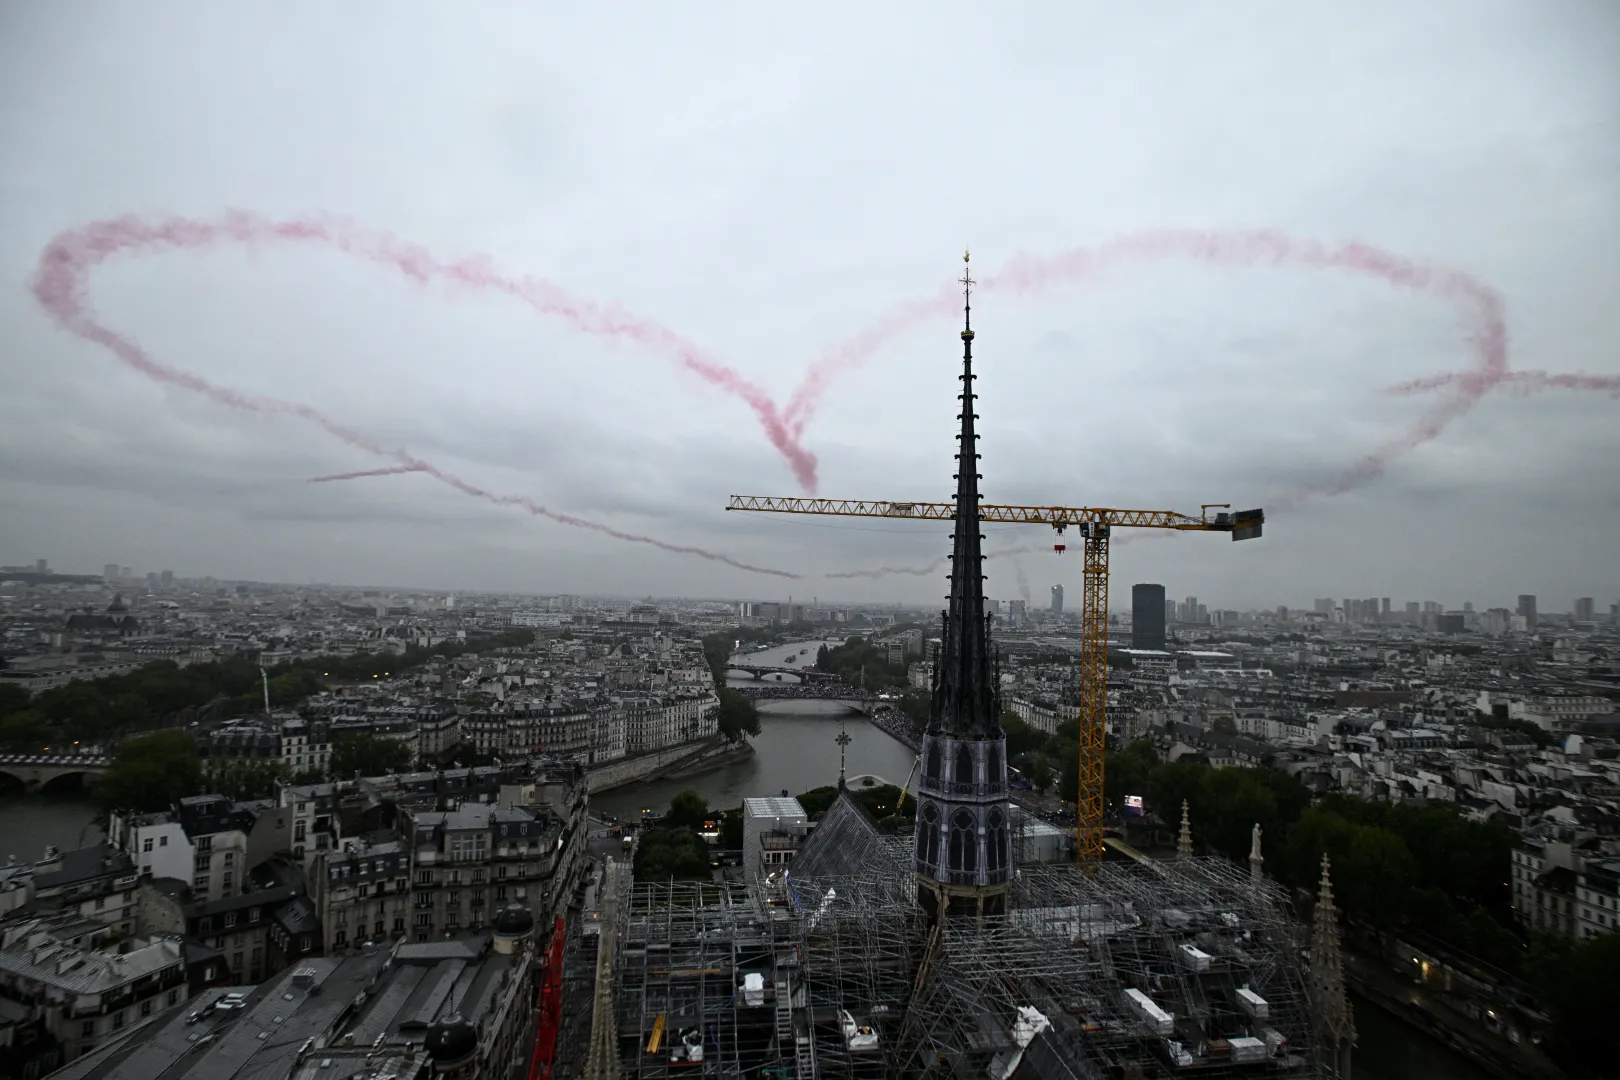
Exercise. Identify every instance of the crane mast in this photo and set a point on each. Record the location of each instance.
(1095, 525)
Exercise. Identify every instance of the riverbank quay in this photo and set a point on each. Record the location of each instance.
(1484, 1034)
(688, 759)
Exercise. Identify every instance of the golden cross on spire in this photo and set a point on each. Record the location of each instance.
(967, 278)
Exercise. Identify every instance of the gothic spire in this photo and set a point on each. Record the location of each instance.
(965, 700)
(1334, 1023)
(1184, 848)
(1257, 861)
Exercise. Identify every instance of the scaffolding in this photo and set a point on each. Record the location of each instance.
(1143, 971)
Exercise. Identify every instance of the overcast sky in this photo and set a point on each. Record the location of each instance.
(768, 188)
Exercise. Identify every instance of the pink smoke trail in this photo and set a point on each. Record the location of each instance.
(392, 470)
(1479, 304)
(60, 286)
(70, 257)
(924, 570)
(1519, 382)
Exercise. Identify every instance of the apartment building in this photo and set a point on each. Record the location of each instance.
(238, 927)
(55, 968)
(468, 863)
(361, 893)
(96, 883)
(208, 841)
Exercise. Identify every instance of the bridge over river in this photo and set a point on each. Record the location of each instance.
(40, 772)
(839, 693)
(774, 673)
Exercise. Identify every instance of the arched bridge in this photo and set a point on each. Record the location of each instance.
(805, 674)
(866, 704)
(37, 771)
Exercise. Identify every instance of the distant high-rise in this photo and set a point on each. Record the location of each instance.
(1323, 605)
(123, 572)
(42, 566)
(1585, 610)
(110, 572)
(1386, 608)
(166, 578)
(1527, 608)
(1057, 599)
(1147, 616)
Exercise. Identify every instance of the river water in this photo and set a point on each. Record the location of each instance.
(30, 823)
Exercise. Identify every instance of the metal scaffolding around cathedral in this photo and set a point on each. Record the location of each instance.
(879, 953)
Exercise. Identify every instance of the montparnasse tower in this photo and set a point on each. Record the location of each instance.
(963, 851)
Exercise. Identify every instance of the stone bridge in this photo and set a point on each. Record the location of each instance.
(806, 673)
(866, 704)
(36, 772)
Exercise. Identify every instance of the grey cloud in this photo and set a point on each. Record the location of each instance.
(768, 195)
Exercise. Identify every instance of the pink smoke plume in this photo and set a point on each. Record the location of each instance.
(70, 257)
(60, 285)
(392, 470)
(1479, 305)
(1518, 382)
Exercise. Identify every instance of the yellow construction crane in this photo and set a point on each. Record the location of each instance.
(1095, 525)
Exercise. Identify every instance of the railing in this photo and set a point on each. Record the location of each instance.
(951, 787)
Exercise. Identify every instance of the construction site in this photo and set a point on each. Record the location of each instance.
(943, 952)
(831, 970)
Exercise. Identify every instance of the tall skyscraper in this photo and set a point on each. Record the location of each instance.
(963, 849)
(1057, 599)
(1585, 610)
(1147, 616)
(1527, 608)
(1386, 608)
(42, 566)
(110, 572)
(166, 578)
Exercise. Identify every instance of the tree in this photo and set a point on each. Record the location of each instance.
(736, 715)
(368, 755)
(1581, 989)
(150, 772)
(664, 853)
(687, 810)
(13, 698)
(27, 729)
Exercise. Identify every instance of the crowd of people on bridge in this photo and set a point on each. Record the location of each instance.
(822, 691)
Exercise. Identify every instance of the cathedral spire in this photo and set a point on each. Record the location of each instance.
(1336, 1030)
(964, 841)
(965, 702)
(1184, 848)
(1257, 861)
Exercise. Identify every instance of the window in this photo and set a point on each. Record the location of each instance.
(101, 902)
(146, 845)
(230, 918)
(934, 766)
(928, 835)
(87, 1029)
(163, 841)
(118, 1020)
(964, 764)
(146, 1007)
(996, 843)
(205, 843)
(303, 942)
(230, 858)
(424, 877)
(424, 920)
(174, 996)
(964, 844)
